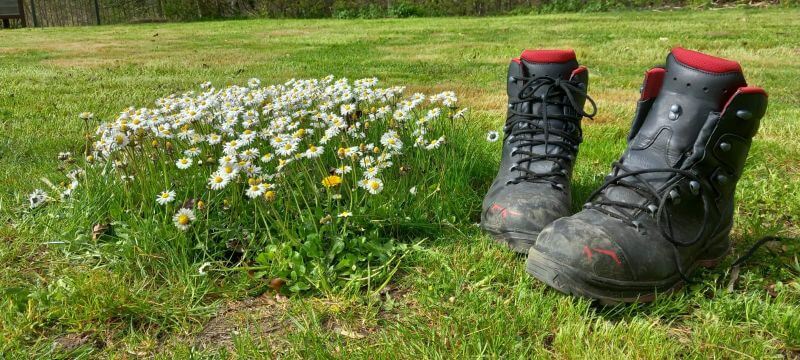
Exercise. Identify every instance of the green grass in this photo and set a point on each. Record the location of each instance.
(461, 296)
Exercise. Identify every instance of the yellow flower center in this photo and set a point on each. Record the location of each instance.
(183, 219)
(374, 185)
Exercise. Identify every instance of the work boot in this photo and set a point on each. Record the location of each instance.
(666, 208)
(546, 95)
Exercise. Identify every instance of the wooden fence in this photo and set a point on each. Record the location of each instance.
(44, 13)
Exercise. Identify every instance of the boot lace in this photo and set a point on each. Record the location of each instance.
(657, 201)
(524, 127)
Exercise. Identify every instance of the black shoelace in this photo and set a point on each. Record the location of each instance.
(526, 126)
(656, 205)
(657, 202)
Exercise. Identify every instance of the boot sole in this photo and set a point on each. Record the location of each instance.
(519, 242)
(571, 281)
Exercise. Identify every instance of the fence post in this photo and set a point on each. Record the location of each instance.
(22, 19)
(33, 13)
(97, 11)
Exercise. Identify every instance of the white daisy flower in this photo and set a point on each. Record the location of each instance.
(314, 151)
(183, 219)
(37, 198)
(347, 109)
(413, 190)
(192, 152)
(286, 149)
(373, 186)
(391, 140)
(165, 197)
(371, 172)
(218, 181)
(367, 161)
(256, 190)
(249, 154)
(344, 169)
(183, 163)
(229, 170)
(435, 144)
(214, 139)
(231, 147)
(345, 214)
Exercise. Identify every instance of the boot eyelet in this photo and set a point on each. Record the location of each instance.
(725, 147)
(652, 208)
(744, 114)
(675, 196)
(694, 186)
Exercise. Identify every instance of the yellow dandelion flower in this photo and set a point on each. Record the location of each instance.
(331, 181)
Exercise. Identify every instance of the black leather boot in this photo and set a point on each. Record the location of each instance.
(667, 206)
(546, 95)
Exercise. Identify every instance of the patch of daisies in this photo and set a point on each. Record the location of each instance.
(260, 143)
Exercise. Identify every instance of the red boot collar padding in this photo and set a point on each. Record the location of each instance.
(577, 71)
(705, 62)
(653, 79)
(548, 56)
(744, 90)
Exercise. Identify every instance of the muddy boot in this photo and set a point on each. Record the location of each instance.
(546, 95)
(666, 208)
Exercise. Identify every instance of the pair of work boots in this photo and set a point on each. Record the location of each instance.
(665, 209)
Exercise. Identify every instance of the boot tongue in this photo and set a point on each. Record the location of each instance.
(695, 84)
(556, 64)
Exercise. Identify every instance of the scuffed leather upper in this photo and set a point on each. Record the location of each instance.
(528, 206)
(704, 128)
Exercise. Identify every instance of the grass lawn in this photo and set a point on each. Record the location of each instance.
(461, 295)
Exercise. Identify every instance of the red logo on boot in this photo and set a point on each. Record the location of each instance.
(610, 253)
(503, 211)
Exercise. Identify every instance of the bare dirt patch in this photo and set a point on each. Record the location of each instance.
(262, 316)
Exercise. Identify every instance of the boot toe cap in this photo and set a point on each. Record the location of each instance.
(585, 248)
(525, 211)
